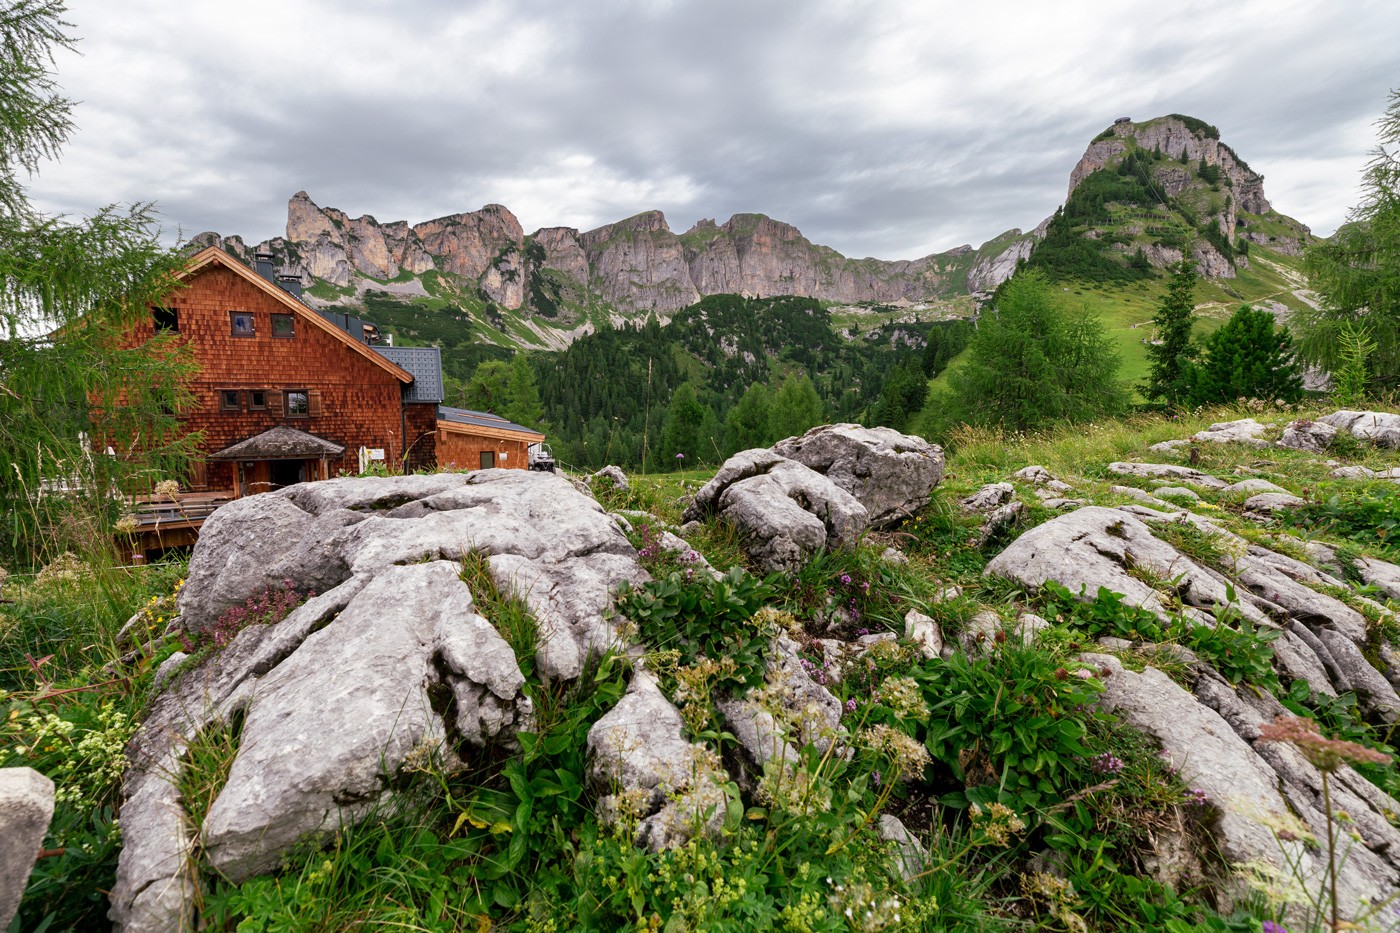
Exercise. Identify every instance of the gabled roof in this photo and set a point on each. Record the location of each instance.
(280, 443)
(467, 419)
(213, 256)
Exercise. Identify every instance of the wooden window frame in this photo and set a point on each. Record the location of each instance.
(233, 330)
(166, 319)
(287, 403)
(484, 455)
(237, 400)
(291, 322)
(253, 399)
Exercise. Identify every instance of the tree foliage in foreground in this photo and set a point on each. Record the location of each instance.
(68, 289)
(1357, 271)
(1034, 362)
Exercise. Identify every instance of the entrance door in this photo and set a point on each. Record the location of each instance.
(488, 459)
(287, 472)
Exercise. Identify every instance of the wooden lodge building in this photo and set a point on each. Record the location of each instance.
(286, 394)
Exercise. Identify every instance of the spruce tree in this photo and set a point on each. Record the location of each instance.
(796, 408)
(746, 425)
(683, 441)
(1248, 357)
(1171, 355)
(488, 389)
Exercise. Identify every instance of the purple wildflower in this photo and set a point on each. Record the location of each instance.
(1106, 764)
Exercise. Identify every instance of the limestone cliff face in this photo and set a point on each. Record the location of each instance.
(751, 254)
(636, 265)
(1231, 198)
(1176, 140)
(639, 263)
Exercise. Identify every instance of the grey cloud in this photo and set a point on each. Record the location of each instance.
(723, 106)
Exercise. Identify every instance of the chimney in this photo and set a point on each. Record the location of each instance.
(291, 284)
(262, 264)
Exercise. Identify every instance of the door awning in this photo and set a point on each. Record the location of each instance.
(280, 443)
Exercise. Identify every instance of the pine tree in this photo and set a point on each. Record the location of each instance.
(746, 425)
(683, 432)
(796, 408)
(1248, 357)
(1171, 355)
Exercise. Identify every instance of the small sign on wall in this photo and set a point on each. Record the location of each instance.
(368, 455)
(502, 456)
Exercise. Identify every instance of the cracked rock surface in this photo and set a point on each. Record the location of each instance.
(392, 661)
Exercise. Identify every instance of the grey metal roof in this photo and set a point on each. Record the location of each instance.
(424, 364)
(280, 443)
(480, 419)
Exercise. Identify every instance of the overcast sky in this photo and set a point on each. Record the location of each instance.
(889, 128)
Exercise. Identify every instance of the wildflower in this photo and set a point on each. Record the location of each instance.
(845, 579)
(126, 525)
(1196, 798)
(998, 823)
(1325, 754)
(851, 705)
(908, 755)
(680, 456)
(1271, 926)
(1106, 764)
(168, 489)
(903, 696)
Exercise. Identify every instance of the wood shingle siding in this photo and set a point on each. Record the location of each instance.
(353, 395)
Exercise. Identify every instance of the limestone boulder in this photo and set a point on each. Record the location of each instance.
(1379, 427)
(1244, 431)
(1211, 739)
(1094, 547)
(643, 768)
(393, 664)
(1315, 436)
(1168, 471)
(890, 473)
(531, 526)
(784, 510)
(26, 807)
(610, 476)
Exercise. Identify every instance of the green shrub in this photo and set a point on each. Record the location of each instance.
(1366, 516)
(703, 617)
(1010, 727)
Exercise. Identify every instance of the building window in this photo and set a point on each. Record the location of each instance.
(167, 320)
(230, 400)
(488, 459)
(297, 404)
(241, 323)
(284, 325)
(257, 400)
